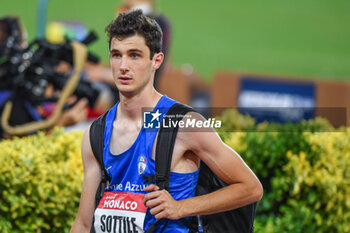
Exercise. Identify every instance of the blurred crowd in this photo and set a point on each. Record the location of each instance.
(34, 73)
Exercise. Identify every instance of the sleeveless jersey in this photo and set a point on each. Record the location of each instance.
(121, 209)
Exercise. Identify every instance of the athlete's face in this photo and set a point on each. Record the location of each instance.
(132, 68)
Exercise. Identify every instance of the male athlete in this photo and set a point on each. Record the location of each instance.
(128, 205)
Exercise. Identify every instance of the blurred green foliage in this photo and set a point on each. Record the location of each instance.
(40, 182)
(304, 168)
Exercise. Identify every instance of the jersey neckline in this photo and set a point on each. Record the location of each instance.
(139, 134)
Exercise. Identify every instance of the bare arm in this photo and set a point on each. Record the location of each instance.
(92, 177)
(243, 188)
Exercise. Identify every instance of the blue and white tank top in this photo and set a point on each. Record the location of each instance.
(121, 209)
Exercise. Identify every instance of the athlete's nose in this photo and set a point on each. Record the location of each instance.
(124, 65)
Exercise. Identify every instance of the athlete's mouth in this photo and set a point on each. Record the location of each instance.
(124, 78)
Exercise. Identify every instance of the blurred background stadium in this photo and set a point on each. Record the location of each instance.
(298, 38)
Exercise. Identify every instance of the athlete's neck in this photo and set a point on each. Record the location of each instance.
(131, 106)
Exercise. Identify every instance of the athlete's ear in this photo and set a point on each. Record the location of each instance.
(157, 60)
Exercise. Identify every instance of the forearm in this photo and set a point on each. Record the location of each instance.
(80, 227)
(227, 198)
(92, 177)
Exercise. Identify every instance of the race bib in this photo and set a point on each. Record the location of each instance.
(120, 213)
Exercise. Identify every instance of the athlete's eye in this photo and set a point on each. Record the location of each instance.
(115, 54)
(134, 55)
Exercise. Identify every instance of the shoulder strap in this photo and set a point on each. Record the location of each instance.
(96, 134)
(165, 145)
(164, 151)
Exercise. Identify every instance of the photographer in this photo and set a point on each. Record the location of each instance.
(31, 79)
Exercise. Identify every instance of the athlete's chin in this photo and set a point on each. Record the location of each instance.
(126, 90)
(124, 85)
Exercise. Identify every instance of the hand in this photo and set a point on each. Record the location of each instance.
(76, 114)
(161, 203)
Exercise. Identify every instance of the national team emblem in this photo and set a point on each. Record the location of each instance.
(142, 164)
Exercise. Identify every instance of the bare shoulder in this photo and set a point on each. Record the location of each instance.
(88, 157)
(198, 133)
(206, 144)
(86, 149)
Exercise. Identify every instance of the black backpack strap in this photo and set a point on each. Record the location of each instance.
(165, 146)
(164, 151)
(96, 135)
(153, 227)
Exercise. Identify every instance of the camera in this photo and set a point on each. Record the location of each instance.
(27, 72)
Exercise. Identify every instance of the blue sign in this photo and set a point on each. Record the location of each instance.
(276, 100)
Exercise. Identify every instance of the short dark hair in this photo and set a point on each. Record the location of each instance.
(135, 22)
